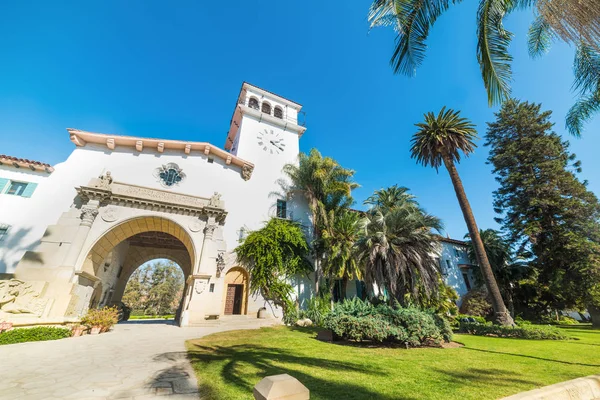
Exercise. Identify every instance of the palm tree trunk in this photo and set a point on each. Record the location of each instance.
(501, 314)
(344, 284)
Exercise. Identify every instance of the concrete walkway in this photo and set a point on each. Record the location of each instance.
(137, 360)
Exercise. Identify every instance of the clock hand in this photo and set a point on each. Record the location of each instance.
(274, 144)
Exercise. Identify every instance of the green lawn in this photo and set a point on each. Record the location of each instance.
(229, 364)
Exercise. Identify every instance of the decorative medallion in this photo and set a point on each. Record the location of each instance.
(110, 214)
(195, 226)
(169, 175)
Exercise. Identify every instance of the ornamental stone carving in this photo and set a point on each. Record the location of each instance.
(247, 171)
(215, 201)
(209, 229)
(195, 226)
(105, 181)
(20, 297)
(88, 214)
(110, 214)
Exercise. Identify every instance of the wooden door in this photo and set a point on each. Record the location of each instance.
(237, 300)
(230, 299)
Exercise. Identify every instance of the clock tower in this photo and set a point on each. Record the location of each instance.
(265, 130)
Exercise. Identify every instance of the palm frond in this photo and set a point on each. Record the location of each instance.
(586, 69)
(412, 20)
(581, 112)
(539, 37)
(492, 49)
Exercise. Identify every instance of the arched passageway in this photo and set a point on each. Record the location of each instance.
(119, 252)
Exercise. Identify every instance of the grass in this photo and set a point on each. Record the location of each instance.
(229, 364)
(168, 316)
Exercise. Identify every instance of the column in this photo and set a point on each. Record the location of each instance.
(88, 214)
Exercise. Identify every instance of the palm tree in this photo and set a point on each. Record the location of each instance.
(339, 237)
(325, 185)
(575, 22)
(507, 270)
(391, 197)
(397, 250)
(441, 139)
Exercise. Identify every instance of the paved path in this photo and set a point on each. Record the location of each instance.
(137, 360)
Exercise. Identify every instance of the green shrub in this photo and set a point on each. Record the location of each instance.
(477, 318)
(104, 318)
(562, 320)
(360, 320)
(35, 334)
(476, 303)
(535, 332)
(318, 307)
(290, 316)
(520, 321)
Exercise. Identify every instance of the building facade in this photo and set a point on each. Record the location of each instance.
(72, 235)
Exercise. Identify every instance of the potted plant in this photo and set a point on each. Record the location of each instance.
(78, 330)
(100, 320)
(5, 326)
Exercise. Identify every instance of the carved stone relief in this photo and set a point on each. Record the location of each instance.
(19, 297)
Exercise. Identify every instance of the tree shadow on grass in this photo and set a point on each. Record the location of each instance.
(532, 357)
(268, 360)
(498, 376)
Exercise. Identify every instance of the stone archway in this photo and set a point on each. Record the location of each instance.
(118, 252)
(134, 228)
(235, 293)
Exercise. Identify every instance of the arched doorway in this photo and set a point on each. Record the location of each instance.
(236, 292)
(119, 252)
(155, 289)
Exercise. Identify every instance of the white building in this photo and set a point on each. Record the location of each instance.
(71, 236)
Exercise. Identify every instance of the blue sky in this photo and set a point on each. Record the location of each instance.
(174, 69)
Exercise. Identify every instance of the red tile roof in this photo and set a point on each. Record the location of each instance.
(23, 162)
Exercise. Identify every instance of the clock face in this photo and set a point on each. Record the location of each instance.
(270, 141)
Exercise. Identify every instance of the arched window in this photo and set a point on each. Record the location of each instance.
(253, 103)
(278, 112)
(266, 108)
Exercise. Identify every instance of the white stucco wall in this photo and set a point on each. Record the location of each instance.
(15, 211)
(452, 273)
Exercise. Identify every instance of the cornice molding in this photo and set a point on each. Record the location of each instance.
(82, 138)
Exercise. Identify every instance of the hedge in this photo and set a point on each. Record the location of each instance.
(535, 332)
(362, 321)
(36, 334)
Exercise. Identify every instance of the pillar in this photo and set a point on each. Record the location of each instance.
(88, 214)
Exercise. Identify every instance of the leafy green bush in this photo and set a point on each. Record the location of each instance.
(476, 303)
(360, 320)
(318, 307)
(35, 334)
(291, 315)
(535, 332)
(477, 318)
(562, 320)
(520, 321)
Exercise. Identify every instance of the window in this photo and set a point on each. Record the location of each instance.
(211, 288)
(211, 160)
(16, 188)
(448, 266)
(281, 209)
(457, 252)
(253, 103)
(466, 278)
(278, 112)
(3, 231)
(266, 107)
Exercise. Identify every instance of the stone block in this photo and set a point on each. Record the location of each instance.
(280, 387)
(325, 335)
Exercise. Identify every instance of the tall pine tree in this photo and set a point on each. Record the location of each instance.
(545, 208)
